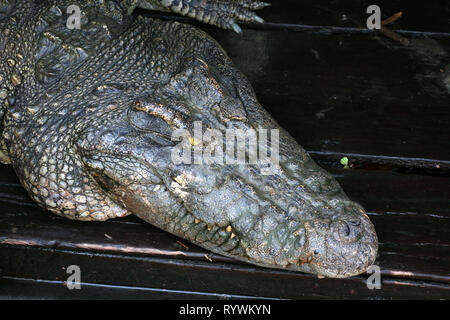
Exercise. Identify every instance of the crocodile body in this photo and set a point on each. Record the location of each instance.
(87, 117)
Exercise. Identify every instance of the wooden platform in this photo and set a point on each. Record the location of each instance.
(340, 90)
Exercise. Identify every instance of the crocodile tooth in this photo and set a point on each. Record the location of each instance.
(11, 62)
(16, 79)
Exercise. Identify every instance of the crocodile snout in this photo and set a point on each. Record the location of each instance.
(349, 249)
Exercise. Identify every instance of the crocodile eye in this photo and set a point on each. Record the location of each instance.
(147, 122)
(158, 117)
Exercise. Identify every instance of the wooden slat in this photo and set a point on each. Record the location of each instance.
(414, 243)
(419, 19)
(417, 14)
(383, 192)
(11, 288)
(185, 275)
(351, 94)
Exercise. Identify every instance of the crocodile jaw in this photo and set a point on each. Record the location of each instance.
(273, 237)
(237, 212)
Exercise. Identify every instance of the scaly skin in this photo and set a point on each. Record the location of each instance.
(216, 12)
(87, 118)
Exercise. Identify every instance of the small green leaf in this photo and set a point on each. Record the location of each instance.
(344, 161)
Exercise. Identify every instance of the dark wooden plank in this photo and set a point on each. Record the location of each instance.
(418, 14)
(420, 18)
(184, 275)
(414, 242)
(402, 254)
(384, 192)
(343, 94)
(19, 288)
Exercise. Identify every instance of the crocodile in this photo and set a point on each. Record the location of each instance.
(88, 116)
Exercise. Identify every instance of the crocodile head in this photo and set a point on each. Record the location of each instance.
(109, 139)
(164, 158)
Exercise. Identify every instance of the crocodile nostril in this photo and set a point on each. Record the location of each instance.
(355, 222)
(348, 230)
(345, 228)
